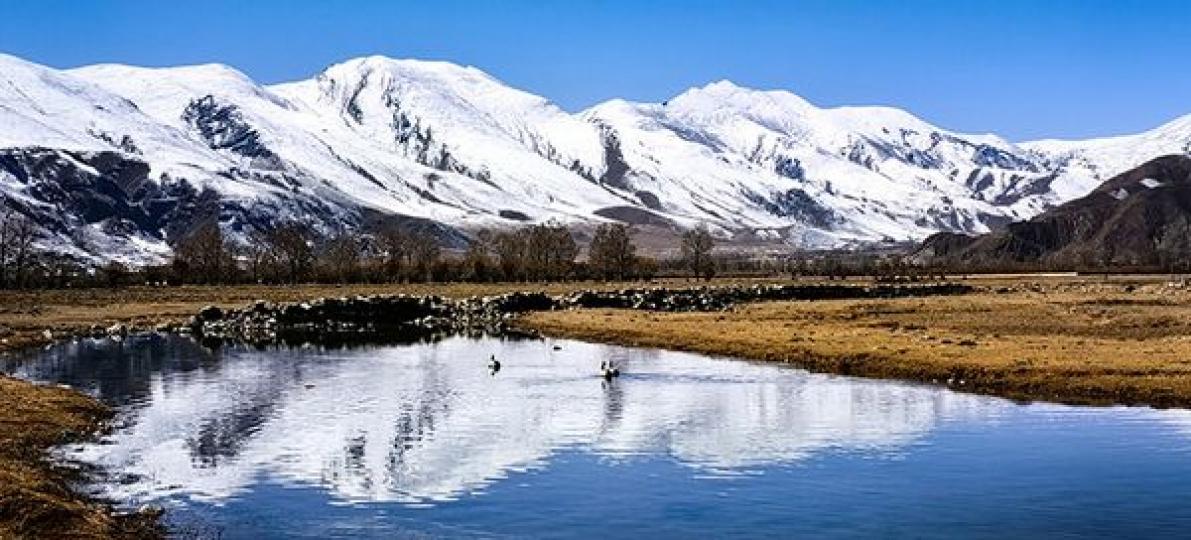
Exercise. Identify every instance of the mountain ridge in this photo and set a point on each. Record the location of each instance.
(451, 144)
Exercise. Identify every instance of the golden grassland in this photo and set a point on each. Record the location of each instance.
(1087, 343)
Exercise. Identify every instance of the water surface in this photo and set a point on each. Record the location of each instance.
(423, 441)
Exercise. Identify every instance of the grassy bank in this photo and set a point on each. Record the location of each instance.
(1075, 341)
(36, 496)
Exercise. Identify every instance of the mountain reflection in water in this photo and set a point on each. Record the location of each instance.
(428, 422)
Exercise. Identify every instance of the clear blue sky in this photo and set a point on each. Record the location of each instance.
(1024, 69)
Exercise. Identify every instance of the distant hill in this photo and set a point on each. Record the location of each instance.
(1138, 218)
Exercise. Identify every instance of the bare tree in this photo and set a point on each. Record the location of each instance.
(114, 274)
(424, 252)
(393, 245)
(258, 254)
(478, 264)
(203, 256)
(612, 254)
(550, 252)
(697, 244)
(340, 257)
(510, 249)
(292, 247)
(8, 219)
(18, 252)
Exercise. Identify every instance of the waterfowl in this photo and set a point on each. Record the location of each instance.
(609, 370)
(493, 364)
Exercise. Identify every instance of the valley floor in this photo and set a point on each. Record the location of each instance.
(1073, 341)
(1060, 338)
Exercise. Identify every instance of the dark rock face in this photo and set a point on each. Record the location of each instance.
(943, 245)
(418, 141)
(1140, 217)
(987, 156)
(64, 192)
(616, 170)
(223, 128)
(796, 203)
(649, 199)
(73, 189)
(513, 215)
(789, 167)
(447, 236)
(634, 216)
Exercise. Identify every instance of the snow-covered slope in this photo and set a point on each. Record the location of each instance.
(1084, 165)
(116, 160)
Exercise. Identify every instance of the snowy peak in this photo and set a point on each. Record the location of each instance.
(725, 102)
(724, 95)
(41, 106)
(447, 116)
(159, 91)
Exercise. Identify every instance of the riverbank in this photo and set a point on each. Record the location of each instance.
(37, 499)
(1074, 342)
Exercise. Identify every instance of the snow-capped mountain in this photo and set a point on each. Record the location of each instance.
(117, 161)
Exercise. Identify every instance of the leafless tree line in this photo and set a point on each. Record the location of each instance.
(294, 253)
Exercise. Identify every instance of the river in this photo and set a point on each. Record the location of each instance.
(422, 440)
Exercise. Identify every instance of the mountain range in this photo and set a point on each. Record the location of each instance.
(115, 161)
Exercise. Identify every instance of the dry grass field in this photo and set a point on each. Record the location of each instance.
(1068, 341)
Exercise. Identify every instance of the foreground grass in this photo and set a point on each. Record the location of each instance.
(1075, 342)
(36, 496)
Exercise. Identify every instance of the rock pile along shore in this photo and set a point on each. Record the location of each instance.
(402, 317)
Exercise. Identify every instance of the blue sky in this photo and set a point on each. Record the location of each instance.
(1024, 69)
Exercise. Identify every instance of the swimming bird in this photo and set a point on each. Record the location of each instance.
(493, 364)
(609, 370)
